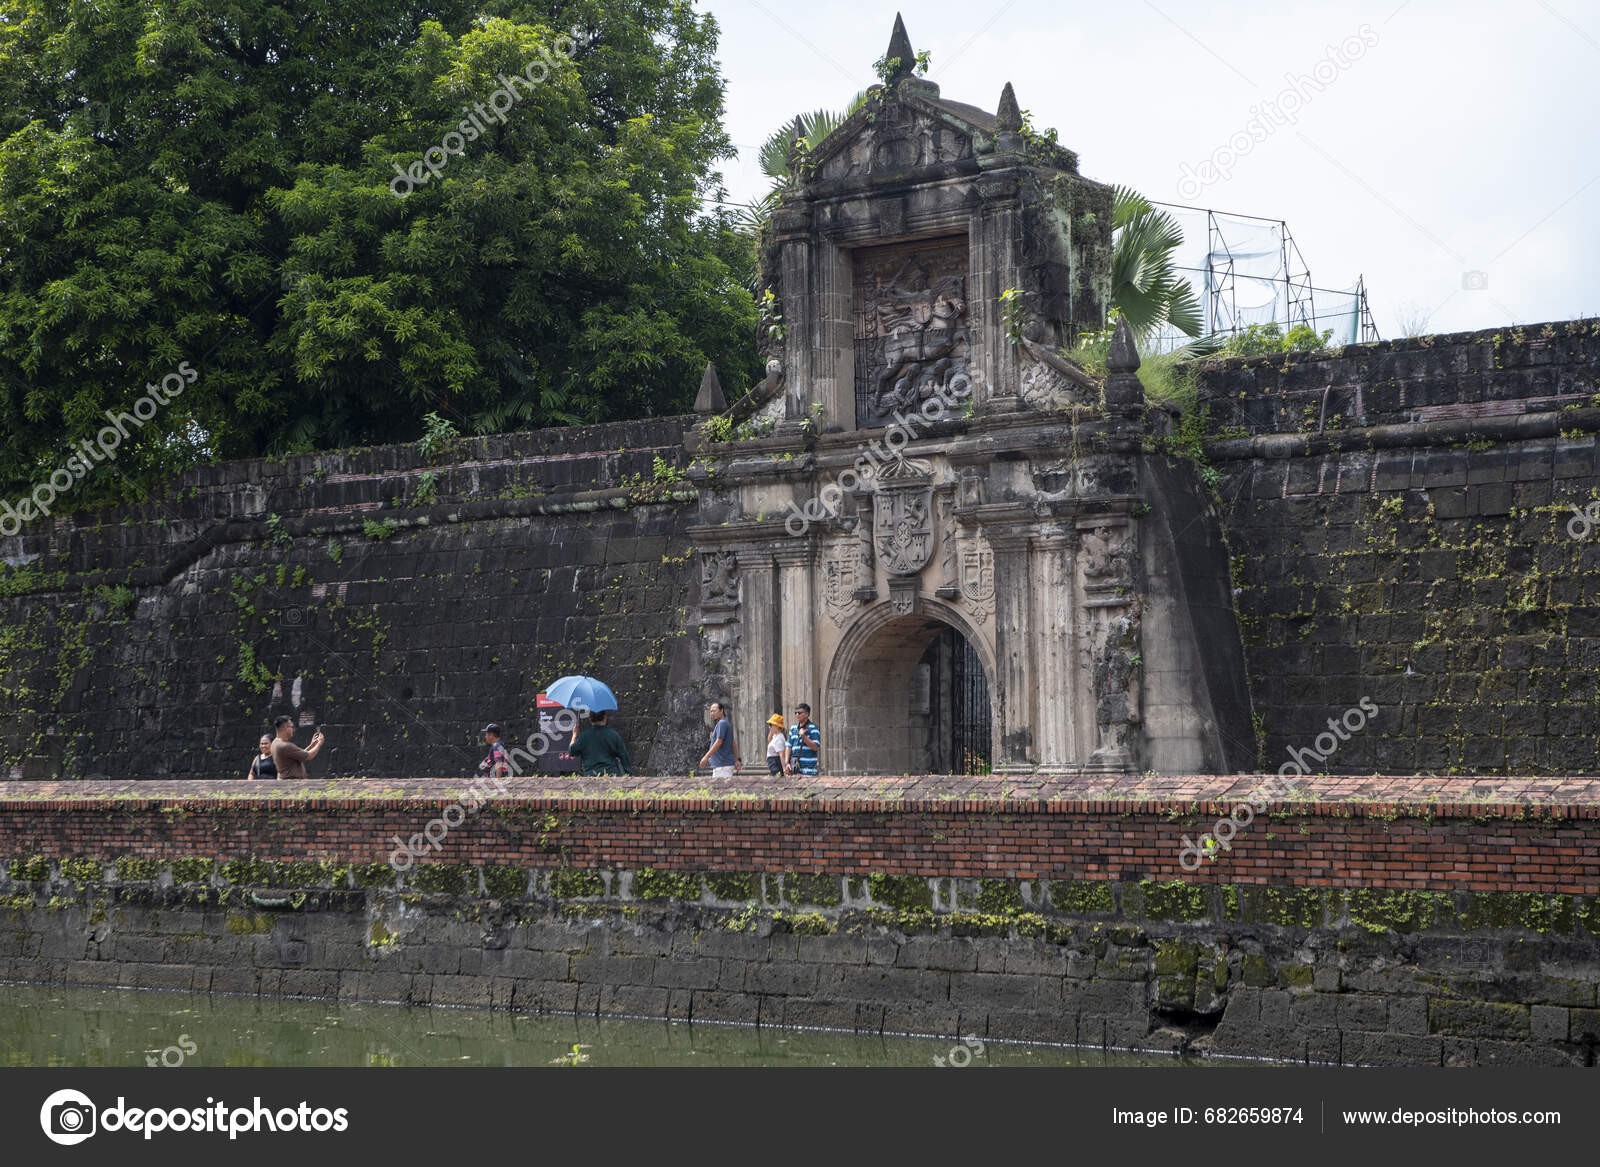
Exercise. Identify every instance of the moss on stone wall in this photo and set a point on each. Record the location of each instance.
(821, 890)
(650, 884)
(571, 883)
(505, 882)
(901, 892)
(1082, 896)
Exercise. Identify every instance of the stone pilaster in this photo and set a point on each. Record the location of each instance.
(1014, 674)
(797, 615)
(1054, 639)
(758, 681)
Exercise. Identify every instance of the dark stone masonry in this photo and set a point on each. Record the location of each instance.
(1414, 550)
(1400, 517)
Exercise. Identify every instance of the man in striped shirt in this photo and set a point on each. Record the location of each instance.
(805, 743)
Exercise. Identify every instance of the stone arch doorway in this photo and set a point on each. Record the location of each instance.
(910, 695)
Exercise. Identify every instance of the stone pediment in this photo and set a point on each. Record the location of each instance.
(900, 135)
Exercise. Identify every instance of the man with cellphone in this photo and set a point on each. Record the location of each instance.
(289, 758)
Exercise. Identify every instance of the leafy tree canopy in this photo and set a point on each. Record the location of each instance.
(218, 182)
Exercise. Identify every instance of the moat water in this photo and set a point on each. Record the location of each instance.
(126, 1027)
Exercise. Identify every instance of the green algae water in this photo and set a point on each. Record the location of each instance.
(112, 1027)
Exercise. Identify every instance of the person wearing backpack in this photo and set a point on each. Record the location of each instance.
(498, 763)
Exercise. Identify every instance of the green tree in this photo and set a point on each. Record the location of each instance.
(217, 182)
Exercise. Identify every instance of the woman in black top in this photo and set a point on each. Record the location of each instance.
(263, 766)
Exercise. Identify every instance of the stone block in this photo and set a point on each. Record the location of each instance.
(956, 955)
(634, 1001)
(531, 996)
(686, 974)
(612, 970)
(1549, 1023)
(872, 983)
(1457, 1018)
(1004, 992)
(712, 1005)
(787, 979)
(926, 1021)
(1391, 1049)
(460, 990)
(833, 949)
(1363, 1011)
(1048, 1026)
(799, 1014)
(1036, 960)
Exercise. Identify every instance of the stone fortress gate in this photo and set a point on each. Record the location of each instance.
(963, 552)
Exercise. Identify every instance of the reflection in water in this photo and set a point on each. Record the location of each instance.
(111, 1027)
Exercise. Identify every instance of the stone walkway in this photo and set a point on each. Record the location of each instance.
(880, 789)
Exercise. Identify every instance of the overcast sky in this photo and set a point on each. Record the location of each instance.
(1438, 140)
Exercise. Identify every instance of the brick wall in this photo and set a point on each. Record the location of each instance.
(1444, 848)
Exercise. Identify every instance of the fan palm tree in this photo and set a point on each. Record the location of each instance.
(774, 156)
(1145, 286)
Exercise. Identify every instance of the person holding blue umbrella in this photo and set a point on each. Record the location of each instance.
(598, 748)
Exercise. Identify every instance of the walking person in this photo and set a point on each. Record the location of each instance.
(262, 766)
(498, 763)
(599, 748)
(777, 746)
(722, 755)
(805, 743)
(289, 759)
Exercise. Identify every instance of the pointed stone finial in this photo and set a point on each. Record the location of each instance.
(710, 399)
(1008, 119)
(797, 147)
(901, 52)
(1124, 392)
(1123, 356)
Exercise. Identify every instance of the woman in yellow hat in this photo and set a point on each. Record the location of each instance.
(777, 746)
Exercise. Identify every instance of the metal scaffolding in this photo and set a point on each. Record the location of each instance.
(1247, 270)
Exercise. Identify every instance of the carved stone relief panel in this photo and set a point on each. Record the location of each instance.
(900, 137)
(911, 330)
(719, 586)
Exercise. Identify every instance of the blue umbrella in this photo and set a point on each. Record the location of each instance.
(584, 693)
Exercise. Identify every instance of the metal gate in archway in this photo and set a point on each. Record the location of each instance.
(971, 722)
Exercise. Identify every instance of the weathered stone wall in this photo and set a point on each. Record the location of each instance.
(1350, 977)
(398, 599)
(1398, 518)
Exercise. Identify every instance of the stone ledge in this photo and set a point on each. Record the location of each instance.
(1369, 796)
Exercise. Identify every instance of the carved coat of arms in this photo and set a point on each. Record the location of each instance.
(977, 577)
(841, 571)
(903, 520)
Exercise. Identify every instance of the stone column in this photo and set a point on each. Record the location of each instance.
(1014, 681)
(797, 617)
(1053, 638)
